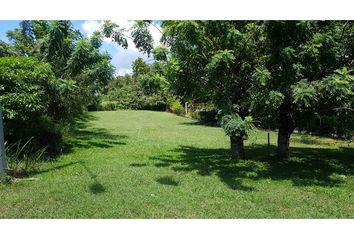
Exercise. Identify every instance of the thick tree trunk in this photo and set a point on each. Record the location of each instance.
(237, 148)
(283, 143)
(286, 127)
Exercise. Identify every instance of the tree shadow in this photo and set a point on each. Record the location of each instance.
(138, 164)
(167, 181)
(307, 166)
(307, 139)
(205, 162)
(82, 135)
(200, 123)
(95, 187)
(39, 171)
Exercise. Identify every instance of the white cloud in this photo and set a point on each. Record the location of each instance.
(89, 27)
(122, 59)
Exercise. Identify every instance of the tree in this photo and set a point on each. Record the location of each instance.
(6, 50)
(76, 60)
(301, 57)
(216, 60)
(140, 68)
(76, 63)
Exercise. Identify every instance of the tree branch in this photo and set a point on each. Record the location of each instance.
(344, 108)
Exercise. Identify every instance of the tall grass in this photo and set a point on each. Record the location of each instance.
(22, 159)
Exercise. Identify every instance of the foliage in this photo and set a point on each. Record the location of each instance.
(28, 97)
(25, 83)
(58, 73)
(139, 67)
(153, 83)
(140, 35)
(6, 50)
(22, 158)
(160, 53)
(109, 106)
(116, 33)
(235, 126)
(127, 92)
(174, 105)
(203, 112)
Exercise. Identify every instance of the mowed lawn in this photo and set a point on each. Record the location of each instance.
(142, 164)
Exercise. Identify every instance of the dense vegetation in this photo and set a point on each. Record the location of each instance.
(145, 89)
(49, 75)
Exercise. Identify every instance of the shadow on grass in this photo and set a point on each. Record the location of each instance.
(138, 165)
(83, 135)
(306, 167)
(54, 168)
(307, 139)
(205, 162)
(95, 187)
(200, 123)
(167, 181)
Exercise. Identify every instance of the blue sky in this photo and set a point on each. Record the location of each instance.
(121, 58)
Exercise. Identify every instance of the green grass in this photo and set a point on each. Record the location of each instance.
(142, 164)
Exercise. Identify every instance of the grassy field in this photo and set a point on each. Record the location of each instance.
(142, 164)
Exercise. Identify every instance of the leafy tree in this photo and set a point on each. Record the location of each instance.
(77, 64)
(301, 56)
(72, 57)
(216, 60)
(6, 50)
(140, 68)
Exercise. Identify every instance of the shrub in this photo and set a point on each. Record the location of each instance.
(108, 106)
(35, 103)
(174, 105)
(153, 102)
(204, 112)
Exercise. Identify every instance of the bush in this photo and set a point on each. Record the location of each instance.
(26, 91)
(174, 105)
(153, 102)
(204, 112)
(108, 106)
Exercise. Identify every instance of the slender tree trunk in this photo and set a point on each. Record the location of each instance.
(237, 148)
(286, 127)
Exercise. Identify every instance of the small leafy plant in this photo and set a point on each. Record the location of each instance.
(235, 126)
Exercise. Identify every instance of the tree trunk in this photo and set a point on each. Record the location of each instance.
(237, 148)
(286, 127)
(283, 144)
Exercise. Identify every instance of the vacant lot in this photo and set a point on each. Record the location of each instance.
(141, 164)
